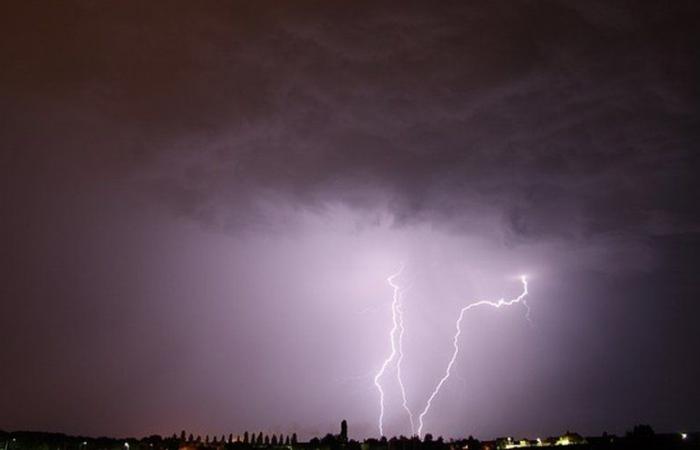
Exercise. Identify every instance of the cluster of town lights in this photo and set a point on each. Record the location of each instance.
(561, 441)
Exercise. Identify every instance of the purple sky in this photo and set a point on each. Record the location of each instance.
(200, 204)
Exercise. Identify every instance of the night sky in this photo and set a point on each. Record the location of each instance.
(201, 202)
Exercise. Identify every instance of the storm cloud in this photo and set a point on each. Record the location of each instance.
(153, 153)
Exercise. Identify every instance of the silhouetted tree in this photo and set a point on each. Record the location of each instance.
(344, 431)
(182, 435)
(190, 438)
(294, 439)
(286, 441)
(329, 440)
(640, 432)
(245, 437)
(260, 438)
(472, 443)
(206, 439)
(428, 438)
(274, 439)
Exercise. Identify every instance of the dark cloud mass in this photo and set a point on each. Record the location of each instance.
(165, 167)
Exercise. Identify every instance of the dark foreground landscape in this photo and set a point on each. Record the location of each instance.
(640, 437)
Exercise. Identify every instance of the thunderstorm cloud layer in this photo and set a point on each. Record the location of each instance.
(201, 204)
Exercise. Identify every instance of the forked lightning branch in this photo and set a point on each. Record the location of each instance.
(396, 334)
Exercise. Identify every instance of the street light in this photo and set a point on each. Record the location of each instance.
(684, 436)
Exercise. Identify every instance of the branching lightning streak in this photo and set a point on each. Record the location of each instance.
(404, 399)
(527, 311)
(455, 343)
(392, 339)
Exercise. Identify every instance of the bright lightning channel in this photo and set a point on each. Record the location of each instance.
(455, 343)
(396, 298)
(404, 399)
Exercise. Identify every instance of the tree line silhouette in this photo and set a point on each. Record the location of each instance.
(640, 437)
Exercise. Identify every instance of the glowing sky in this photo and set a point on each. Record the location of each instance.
(200, 205)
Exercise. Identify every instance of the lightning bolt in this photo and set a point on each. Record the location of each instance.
(404, 399)
(527, 308)
(455, 342)
(396, 298)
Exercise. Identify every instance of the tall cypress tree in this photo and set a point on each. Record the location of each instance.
(344, 430)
